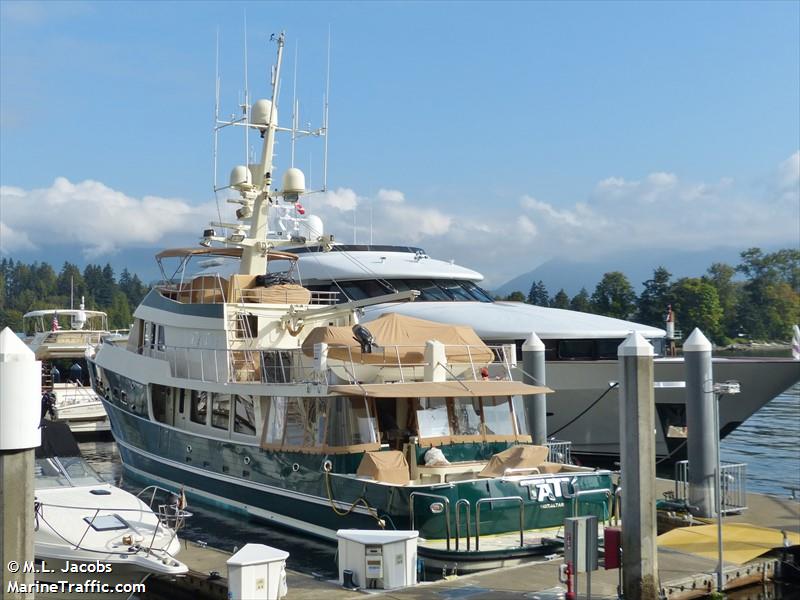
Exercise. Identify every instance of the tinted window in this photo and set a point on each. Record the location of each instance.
(221, 410)
(199, 408)
(576, 349)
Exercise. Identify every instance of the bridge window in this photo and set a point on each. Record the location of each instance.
(198, 411)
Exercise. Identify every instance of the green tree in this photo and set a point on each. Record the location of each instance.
(581, 302)
(538, 294)
(765, 305)
(516, 297)
(614, 296)
(560, 300)
(119, 313)
(696, 304)
(652, 303)
(721, 275)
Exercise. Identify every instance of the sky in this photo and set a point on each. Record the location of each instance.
(497, 134)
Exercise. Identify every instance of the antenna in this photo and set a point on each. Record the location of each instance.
(325, 115)
(295, 107)
(216, 111)
(246, 105)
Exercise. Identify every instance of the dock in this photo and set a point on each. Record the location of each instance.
(683, 575)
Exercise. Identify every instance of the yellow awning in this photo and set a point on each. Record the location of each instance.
(439, 389)
(741, 542)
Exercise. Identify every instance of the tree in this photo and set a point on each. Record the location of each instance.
(581, 302)
(759, 314)
(560, 300)
(720, 275)
(614, 296)
(652, 304)
(538, 294)
(696, 304)
(516, 297)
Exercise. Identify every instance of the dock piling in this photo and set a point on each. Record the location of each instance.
(533, 372)
(638, 457)
(20, 413)
(701, 444)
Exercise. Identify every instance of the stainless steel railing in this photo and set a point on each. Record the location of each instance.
(733, 485)
(444, 499)
(517, 499)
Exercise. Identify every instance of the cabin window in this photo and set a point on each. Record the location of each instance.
(520, 415)
(432, 417)
(275, 418)
(350, 422)
(160, 345)
(305, 422)
(244, 416)
(198, 411)
(220, 410)
(159, 395)
(467, 416)
(576, 349)
(497, 416)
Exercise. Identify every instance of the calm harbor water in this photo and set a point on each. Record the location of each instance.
(769, 442)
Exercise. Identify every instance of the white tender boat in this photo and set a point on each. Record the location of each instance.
(93, 539)
(65, 376)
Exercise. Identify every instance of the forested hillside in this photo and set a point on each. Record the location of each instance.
(757, 299)
(26, 287)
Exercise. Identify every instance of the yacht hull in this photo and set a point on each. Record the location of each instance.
(585, 410)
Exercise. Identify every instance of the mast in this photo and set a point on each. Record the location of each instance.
(254, 254)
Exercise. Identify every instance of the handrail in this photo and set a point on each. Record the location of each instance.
(577, 495)
(501, 499)
(437, 497)
(462, 502)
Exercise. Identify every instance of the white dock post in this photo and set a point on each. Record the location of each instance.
(702, 433)
(638, 456)
(20, 412)
(533, 368)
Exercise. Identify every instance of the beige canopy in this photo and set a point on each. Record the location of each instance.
(525, 456)
(389, 466)
(399, 336)
(440, 389)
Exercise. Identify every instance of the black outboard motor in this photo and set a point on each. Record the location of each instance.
(76, 373)
(363, 336)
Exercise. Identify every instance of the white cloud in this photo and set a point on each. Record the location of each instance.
(342, 199)
(14, 241)
(95, 217)
(502, 239)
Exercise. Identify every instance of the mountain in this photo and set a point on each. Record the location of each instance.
(572, 275)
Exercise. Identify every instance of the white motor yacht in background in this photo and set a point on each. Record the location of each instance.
(61, 351)
(87, 529)
(581, 348)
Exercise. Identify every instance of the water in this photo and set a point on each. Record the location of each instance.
(769, 442)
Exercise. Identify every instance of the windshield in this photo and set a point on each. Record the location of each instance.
(431, 290)
(71, 471)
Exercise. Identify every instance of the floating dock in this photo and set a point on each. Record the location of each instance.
(684, 574)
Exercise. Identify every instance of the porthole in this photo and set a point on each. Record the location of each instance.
(247, 460)
(327, 466)
(189, 449)
(295, 467)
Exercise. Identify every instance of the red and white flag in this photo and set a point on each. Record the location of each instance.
(299, 208)
(56, 326)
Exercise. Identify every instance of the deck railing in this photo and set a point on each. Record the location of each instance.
(733, 485)
(257, 366)
(559, 452)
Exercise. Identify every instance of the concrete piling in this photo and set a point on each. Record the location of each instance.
(701, 444)
(20, 411)
(534, 373)
(638, 473)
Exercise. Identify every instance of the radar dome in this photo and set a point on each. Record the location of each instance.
(240, 177)
(294, 182)
(312, 228)
(260, 113)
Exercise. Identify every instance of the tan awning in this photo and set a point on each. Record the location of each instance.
(401, 339)
(234, 252)
(439, 389)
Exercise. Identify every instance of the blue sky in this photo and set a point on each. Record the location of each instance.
(478, 130)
